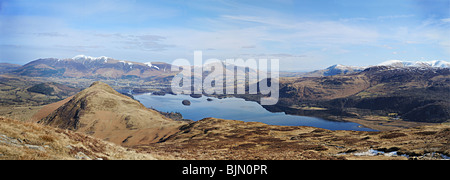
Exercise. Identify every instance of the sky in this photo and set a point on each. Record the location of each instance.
(303, 34)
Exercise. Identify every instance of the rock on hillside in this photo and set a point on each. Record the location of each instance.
(102, 112)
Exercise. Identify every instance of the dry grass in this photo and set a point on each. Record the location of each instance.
(31, 141)
(21, 113)
(213, 139)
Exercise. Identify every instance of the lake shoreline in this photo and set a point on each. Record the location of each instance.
(240, 109)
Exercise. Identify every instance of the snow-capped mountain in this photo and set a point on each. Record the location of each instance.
(342, 69)
(400, 63)
(337, 69)
(92, 67)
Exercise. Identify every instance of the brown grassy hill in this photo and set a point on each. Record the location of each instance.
(104, 113)
(31, 141)
(48, 109)
(213, 138)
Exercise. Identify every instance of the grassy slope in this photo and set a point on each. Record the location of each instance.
(31, 141)
(227, 139)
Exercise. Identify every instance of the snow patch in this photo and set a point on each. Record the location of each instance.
(149, 64)
(129, 63)
(344, 67)
(372, 152)
(90, 58)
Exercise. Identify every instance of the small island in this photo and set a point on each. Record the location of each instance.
(186, 102)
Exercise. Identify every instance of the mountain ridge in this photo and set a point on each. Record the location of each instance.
(107, 67)
(82, 66)
(339, 69)
(401, 63)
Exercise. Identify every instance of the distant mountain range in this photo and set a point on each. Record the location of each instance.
(336, 69)
(400, 63)
(339, 69)
(82, 66)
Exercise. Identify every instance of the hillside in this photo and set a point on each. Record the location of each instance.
(414, 93)
(220, 139)
(6, 67)
(31, 141)
(17, 90)
(104, 113)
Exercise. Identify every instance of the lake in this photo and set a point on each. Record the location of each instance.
(237, 109)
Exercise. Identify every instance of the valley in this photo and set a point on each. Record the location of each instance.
(225, 80)
(409, 106)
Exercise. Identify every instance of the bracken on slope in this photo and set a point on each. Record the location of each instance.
(31, 141)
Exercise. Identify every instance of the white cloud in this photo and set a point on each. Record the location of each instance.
(446, 20)
(263, 35)
(395, 16)
(311, 32)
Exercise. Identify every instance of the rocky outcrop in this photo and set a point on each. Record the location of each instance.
(10, 141)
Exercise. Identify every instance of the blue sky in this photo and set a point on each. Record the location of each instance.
(303, 34)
